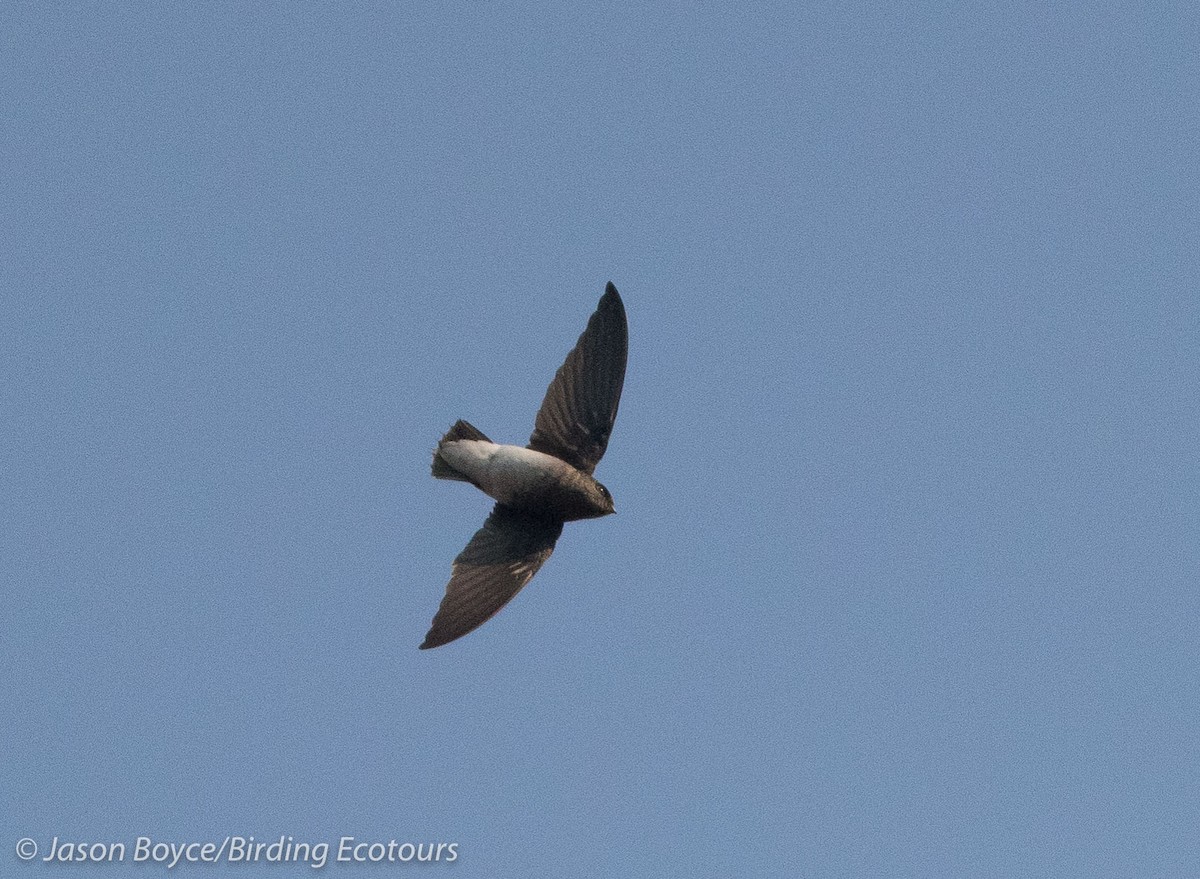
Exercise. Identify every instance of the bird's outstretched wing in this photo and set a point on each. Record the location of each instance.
(580, 406)
(501, 558)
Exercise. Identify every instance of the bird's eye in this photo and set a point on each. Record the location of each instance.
(603, 490)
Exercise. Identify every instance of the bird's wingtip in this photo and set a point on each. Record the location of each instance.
(611, 298)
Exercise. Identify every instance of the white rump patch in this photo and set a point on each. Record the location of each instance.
(504, 472)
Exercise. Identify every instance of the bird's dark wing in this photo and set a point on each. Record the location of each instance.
(580, 406)
(501, 558)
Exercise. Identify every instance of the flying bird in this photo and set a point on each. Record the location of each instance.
(537, 487)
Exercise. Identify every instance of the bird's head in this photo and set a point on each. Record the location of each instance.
(602, 501)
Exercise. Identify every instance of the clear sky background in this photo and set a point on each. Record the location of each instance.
(903, 579)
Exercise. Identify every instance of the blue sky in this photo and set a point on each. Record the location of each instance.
(903, 578)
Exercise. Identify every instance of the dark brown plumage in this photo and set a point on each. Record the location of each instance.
(539, 487)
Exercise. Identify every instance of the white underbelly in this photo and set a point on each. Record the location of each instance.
(504, 472)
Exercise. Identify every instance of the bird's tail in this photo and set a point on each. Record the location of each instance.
(461, 430)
